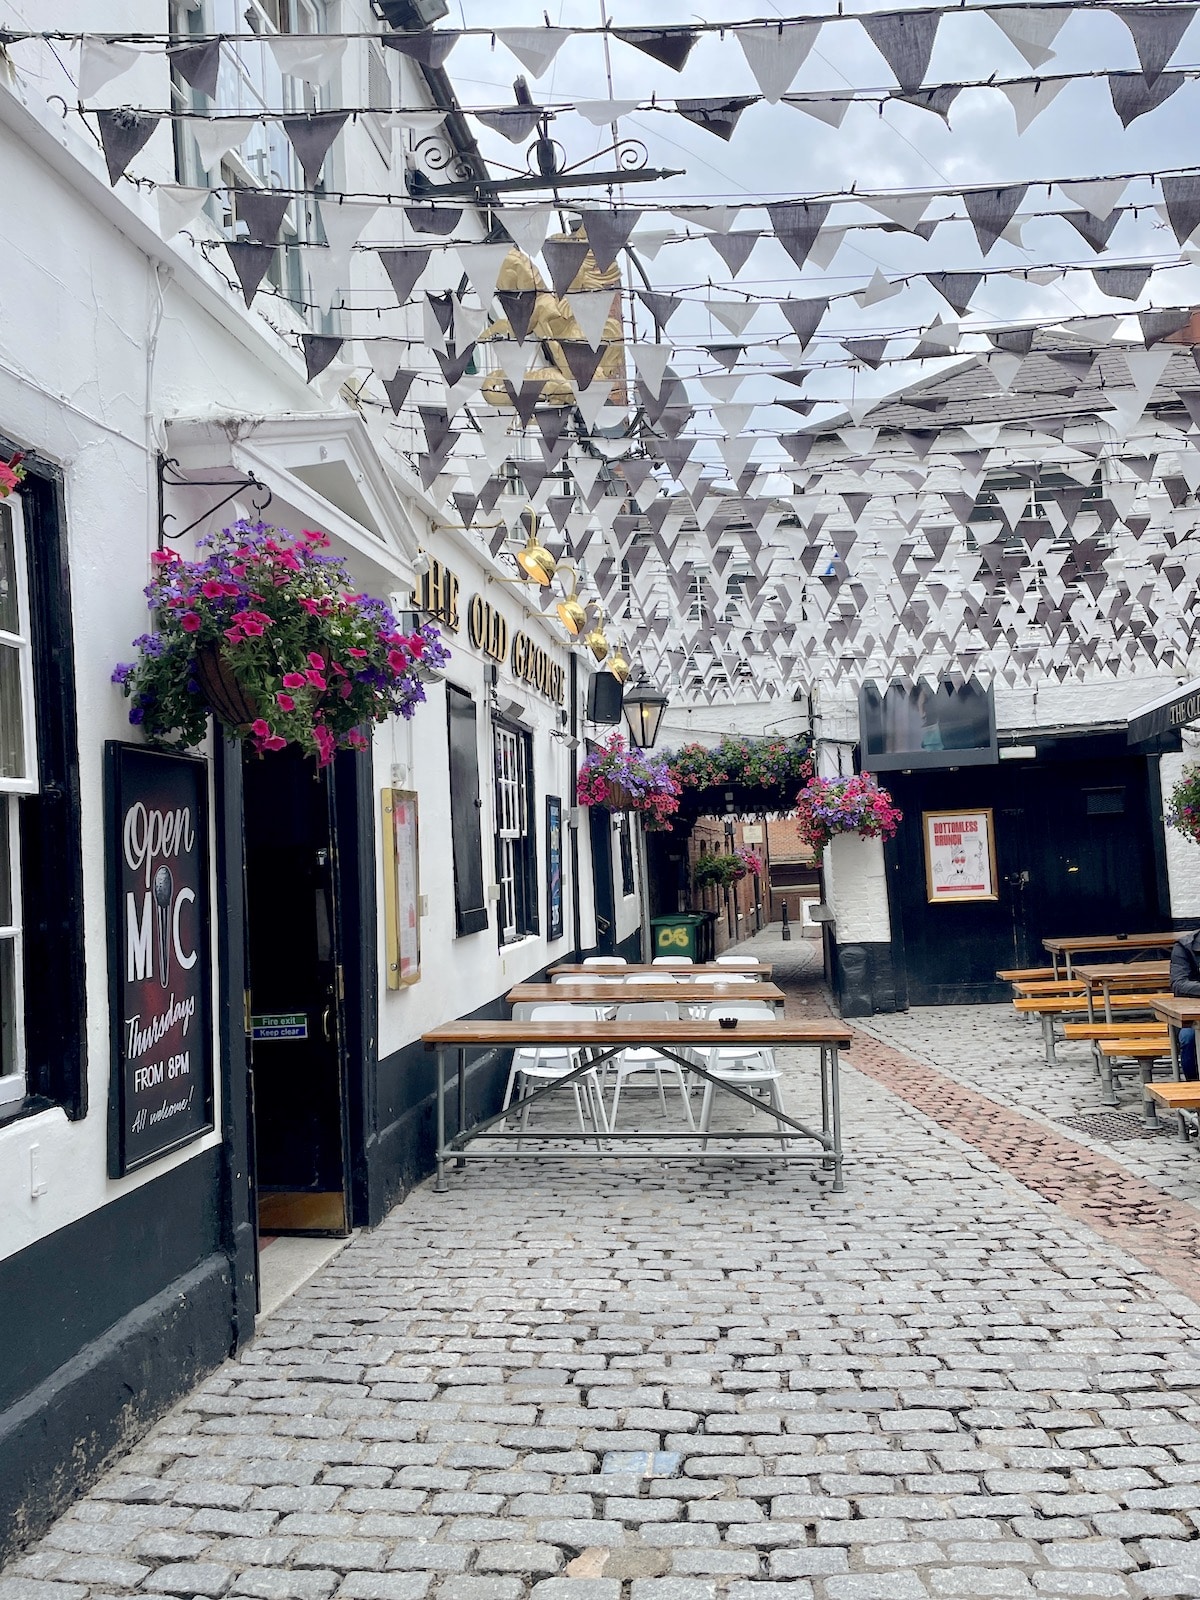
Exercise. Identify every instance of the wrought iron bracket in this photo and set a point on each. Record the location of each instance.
(172, 476)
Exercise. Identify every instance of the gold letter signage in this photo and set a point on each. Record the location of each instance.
(437, 594)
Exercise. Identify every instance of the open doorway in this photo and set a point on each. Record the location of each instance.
(296, 995)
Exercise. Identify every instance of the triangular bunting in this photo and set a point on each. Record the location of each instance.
(310, 137)
(217, 136)
(797, 225)
(608, 232)
(734, 248)
(251, 262)
(518, 306)
(197, 64)
(563, 258)
(991, 210)
(262, 211)
(671, 46)
(1132, 97)
(905, 40)
(714, 115)
(429, 47)
(319, 350)
(1156, 31)
(404, 267)
(123, 133)
(776, 53)
(534, 48)
(312, 56)
(102, 60)
(514, 123)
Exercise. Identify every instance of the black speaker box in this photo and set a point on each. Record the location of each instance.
(604, 698)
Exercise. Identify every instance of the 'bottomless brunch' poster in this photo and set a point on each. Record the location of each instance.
(162, 1093)
(960, 855)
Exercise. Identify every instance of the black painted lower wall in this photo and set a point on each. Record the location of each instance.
(105, 1325)
(864, 977)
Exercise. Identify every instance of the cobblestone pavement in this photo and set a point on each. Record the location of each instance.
(658, 1383)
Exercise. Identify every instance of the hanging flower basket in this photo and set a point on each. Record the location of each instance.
(1183, 805)
(828, 806)
(762, 774)
(265, 633)
(218, 683)
(621, 779)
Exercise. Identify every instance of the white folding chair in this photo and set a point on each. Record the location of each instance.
(605, 961)
(544, 1063)
(747, 1067)
(737, 961)
(651, 977)
(637, 1059)
(672, 961)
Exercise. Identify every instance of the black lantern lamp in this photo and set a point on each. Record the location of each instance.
(644, 709)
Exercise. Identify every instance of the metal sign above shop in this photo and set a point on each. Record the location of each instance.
(437, 595)
(1166, 714)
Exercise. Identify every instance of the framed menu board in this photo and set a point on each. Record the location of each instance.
(554, 874)
(160, 974)
(401, 887)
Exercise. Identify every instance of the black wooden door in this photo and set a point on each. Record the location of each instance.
(1075, 854)
(296, 990)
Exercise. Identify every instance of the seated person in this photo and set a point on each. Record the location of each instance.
(1185, 980)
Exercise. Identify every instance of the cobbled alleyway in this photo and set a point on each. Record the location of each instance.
(649, 1383)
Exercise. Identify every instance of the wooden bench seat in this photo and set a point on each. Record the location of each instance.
(1025, 974)
(1052, 988)
(1052, 1005)
(1115, 1030)
(1176, 1096)
(1135, 1049)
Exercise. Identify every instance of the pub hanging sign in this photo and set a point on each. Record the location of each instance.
(161, 1089)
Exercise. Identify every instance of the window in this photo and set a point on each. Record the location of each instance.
(470, 905)
(250, 84)
(42, 977)
(17, 776)
(628, 885)
(514, 833)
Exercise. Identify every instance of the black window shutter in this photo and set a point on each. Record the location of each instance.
(470, 908)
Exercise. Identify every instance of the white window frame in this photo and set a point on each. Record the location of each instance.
(510, 807)
(13, 1084)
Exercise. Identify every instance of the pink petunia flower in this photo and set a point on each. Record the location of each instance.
(294, 680)
(285, 702)
(190, 622)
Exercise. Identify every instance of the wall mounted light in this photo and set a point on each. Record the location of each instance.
(534, 560)
(570, 613)
(644, 709)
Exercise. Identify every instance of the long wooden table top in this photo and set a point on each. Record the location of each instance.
(1110, 941)
(1120, 975)
(760, 969)
(1177, 1010)
(623, 994)
(758, 1030)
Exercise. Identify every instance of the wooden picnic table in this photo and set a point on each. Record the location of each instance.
(617, 993)
(602, 1040)
(760, 969)
(1177, 1011)
(1068, 948)
(1109, 975)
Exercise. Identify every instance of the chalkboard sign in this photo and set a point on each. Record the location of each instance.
(159, 965)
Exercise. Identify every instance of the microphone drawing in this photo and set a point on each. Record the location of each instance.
(164, 894)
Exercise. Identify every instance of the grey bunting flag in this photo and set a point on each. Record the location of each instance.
(734, 248)
(1132, 97)
(197, 64)
(608, 232)
(438, 220)
(319, 350)
(662, 307)
(956, 288)
(797, 226)
(581, 360)
(671, 46)
(905, 41)
(563, 258)
(937, 100)
(1156, 31)
(714, 115)
(429, 47)
(991, 211)
(311, 137)
(1095, 230)
(518, 306)
(1182, 197)
(396, 388)
(262, 211)
(404, 267)
(251, 263)
(513, 123)
(123, 133)
(804, 316)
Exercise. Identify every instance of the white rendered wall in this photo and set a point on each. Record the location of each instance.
(856, 890)
(1183, 857)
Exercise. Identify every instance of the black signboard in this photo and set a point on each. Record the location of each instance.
(1168, 715)
(554, 864)
(156, 820)
(907, 726)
